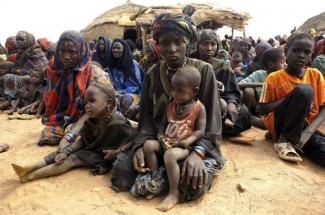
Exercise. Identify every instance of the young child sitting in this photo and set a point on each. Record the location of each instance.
(237, 64)
(293, 100)
(104, 136)
(271, 60)
(5, 68)
(30, 95)
(183, 125)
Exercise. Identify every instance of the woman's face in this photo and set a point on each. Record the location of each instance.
(21, 42)
(173, 49)
(101, 45)
(208, 49)
(68, 54)
(117, 50)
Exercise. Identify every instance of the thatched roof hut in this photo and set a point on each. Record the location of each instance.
(205, 16)
(316, 22)
(113, 23)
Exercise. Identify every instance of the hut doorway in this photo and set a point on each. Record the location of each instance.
(132, 34)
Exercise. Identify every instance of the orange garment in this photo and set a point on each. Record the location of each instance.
(182, 126)
(279, 84)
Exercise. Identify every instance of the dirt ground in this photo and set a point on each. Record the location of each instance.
(272, 186)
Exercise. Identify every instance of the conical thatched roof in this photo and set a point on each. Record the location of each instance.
(205, 13)
(119, 16)
(316, 22)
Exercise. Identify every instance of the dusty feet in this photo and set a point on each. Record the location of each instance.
(168, 203)
(3, 147)
(20, 170)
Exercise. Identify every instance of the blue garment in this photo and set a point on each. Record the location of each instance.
(132, 85)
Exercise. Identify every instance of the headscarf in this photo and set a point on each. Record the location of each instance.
(66, 86)
(151, 44)
(31, 57)
(99, 57)
(261, 47)
(180, 24)
(125, 63)
(208, 34)
(11, 44)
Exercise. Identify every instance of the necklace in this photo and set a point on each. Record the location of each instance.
(180, 108)
(173, 70)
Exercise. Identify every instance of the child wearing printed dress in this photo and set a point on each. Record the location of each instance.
(104, 136)
(293, 100)
(183, 125)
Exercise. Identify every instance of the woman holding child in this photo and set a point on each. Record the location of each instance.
(173, 33)
(68, 77)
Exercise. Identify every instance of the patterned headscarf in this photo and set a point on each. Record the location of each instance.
(151, 43)
(11, 44)
(180, 24)
(66, 86)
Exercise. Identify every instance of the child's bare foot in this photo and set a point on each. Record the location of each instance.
(4, 147)
(20, 170)
(168, 203)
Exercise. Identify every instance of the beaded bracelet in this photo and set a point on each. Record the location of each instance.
(70, 137)
(200, 151)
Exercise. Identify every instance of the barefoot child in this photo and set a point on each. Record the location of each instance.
(30, 94)
(103, 137)
(293, 100)
(183, 125)
(271, 60)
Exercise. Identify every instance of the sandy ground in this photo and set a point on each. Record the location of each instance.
(272, 186)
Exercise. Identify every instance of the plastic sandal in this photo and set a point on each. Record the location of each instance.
(283, 149)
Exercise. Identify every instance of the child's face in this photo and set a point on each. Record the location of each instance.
(243, 47)
(182, 90)
(96, 103)
(222, 56)
(36, 77)
(299, 53)
(237, 57)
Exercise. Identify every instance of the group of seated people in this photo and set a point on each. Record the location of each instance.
(182, 105)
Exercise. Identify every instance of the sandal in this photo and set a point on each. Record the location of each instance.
(284, 149)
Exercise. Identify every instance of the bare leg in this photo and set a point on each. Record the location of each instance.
(173, 172)
(151, 148)
(54, 169)
(4, 105)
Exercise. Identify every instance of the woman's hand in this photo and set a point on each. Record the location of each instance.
(232, 112)
(195, 170)
(138, 161)
(110, 154)
(60, 158)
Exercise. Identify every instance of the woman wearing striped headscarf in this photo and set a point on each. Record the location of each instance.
(68, 77)
(173, 33)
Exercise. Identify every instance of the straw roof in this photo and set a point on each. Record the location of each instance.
(119, 16)
(316, 22)
(205, 13)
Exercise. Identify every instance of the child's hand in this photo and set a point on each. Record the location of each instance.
(110, 154)
(166, 143)
(60, 158)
